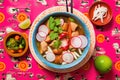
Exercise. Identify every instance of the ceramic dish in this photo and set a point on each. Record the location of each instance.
(21, 42)
(53, 65)
(61, 68)
(100, 13)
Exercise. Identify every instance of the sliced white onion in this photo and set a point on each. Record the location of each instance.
(67, 57)
(76, 42)
(74, 55)
(40, 36)
(49, 49)
(61, 21)
(63, 63)
(79, 50)
(50, 57)
(43, 28)
(83, 40)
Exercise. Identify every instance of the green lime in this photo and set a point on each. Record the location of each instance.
(25, 24)
(103, 64)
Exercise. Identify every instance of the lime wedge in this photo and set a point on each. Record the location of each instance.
(25, 24)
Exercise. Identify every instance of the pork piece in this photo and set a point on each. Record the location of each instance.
(57, 51)
(65, 26)
(47, 23)
(58, 59)
(52, 43)
(48, 39)
(39, 48)
(75, 33)
(73, 26)
(81, 31)
(44, 46)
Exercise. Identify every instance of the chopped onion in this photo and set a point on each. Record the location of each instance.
(99, 13)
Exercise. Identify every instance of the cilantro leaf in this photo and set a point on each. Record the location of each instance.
(51, 23)
(60, 30)
(57, 43)
(57, 21)
(55, 29)
(53, 35)
(51, 19)
(71, 19)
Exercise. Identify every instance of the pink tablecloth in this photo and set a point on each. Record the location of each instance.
(34, 7)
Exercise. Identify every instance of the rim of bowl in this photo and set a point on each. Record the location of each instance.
(16, 54)
(53, 65)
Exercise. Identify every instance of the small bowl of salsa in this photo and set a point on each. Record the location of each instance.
(16, 44)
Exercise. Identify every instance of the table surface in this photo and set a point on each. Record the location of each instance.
(32, 8)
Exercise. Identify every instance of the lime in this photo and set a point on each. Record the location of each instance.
(103, 64)
(25, 24)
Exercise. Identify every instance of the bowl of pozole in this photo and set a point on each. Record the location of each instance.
(60, 40)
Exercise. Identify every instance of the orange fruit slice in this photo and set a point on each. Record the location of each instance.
(2, 17)
(2, 66)
(117, 65)
(21, 17)
(100, 38)
(23, 65)
(117, 19)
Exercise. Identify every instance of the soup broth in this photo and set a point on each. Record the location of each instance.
(61, 40)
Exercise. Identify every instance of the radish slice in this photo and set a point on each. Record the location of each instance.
(40, 36)
(64, 44)
(84, 41)
(43, 28)
(67, 57)
(76, 42)
(50, 57)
